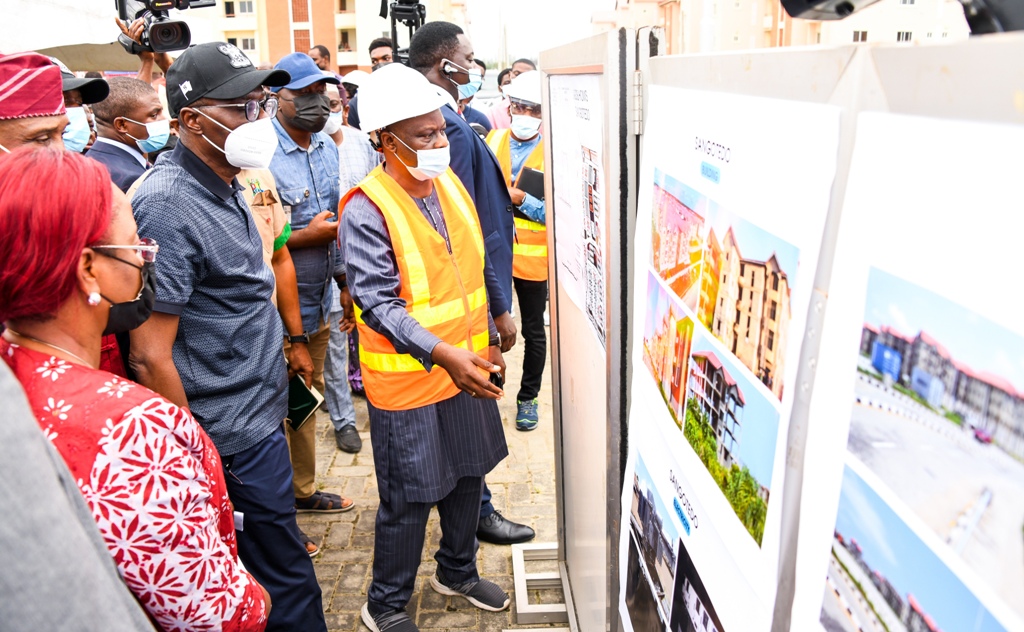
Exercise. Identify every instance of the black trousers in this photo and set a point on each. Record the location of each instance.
(398, 543)
(260, 486)
(532, 299)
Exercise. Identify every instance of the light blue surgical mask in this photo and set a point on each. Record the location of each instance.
(476, 79)
(159, 132)
(76, 134)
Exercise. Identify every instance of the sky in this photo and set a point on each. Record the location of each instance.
(759, 423)
(890, 547)
(969, 337)
(531, 25)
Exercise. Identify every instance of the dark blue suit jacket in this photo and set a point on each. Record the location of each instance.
(353, 112)
(475, 165)
(124, 168)
(474, 115)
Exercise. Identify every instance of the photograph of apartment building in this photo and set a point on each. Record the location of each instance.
(668, 335)
(882, 575)
(593, 239)
(692, 610)
(733, 428)
(656, 538)
(677, 243)
(968, 373)
(745, 294)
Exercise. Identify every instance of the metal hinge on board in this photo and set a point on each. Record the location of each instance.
(638, 102)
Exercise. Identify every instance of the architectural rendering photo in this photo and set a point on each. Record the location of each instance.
(655, 536)
(882, 576)
(668, 335)
(733, 428)
(692, 610)
(677, 242)
(937, 384)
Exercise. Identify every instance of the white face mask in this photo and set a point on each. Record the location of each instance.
(524, 127)
(333, 124)
(430, 163)
(250, 145)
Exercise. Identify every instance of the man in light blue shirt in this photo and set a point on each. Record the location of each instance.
(305, 167)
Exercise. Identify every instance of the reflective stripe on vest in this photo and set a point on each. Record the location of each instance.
(444, 292)
(530, 251)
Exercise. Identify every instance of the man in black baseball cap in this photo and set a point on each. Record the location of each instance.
(79, 92)
(214, 340)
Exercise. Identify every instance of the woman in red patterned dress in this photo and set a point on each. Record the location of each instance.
(73, 268)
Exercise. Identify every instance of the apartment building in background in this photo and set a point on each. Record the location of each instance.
(267, 30)
(721, 400)
(701, 26)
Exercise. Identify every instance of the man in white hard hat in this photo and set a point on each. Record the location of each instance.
(520, 152)
(428, 349)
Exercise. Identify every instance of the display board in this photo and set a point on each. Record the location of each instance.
(731, 209)
(577, 112)
(918, 439)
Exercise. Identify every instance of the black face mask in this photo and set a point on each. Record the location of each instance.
(126, 316)
(311, 111)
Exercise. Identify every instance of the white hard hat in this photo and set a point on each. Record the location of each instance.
(394, 93)
(356, 77)
(525, 87)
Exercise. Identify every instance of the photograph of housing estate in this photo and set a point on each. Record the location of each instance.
(692, 610)
(667, 338)
(593, 240)
(938, 417)
(733, 429)
(748, 276)
(882, 576)
(655, 538)
(677, 242)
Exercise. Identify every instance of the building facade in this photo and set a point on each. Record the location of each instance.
(721, 400)
(267, 30)
(702, 26)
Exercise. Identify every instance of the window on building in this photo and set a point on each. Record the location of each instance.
(249, 43)
(229, 9)
(929, 35)
(752, 277)
(903, 36)
(343, 6)
(772, 311)
(743, 270)
(751, 296)
(736, 36)
(245, 6)
(818, 38)
(344, 43)
(233, 41)
(945, 34)
(771, 340)
(737, 316)
(860, 36)
(748, 325)
(775, 280)
(300, 13)
(301, 40)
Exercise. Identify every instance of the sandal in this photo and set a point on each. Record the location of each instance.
(323, 502)
(311, 548)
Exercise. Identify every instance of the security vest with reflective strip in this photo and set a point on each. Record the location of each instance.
(530, 250)
(443, 291)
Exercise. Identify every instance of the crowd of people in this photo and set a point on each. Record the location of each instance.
(184, 248)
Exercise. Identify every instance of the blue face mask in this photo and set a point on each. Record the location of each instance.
(467, 90)
(159, 132)
(76, 134)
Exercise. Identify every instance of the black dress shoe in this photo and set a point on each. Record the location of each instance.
(498, 529)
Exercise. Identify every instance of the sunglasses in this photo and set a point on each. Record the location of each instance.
(252, 107)
(147, 249)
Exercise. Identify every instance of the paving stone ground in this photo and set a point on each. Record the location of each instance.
(523, 486)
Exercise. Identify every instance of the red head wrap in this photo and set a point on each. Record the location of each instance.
(30, 85)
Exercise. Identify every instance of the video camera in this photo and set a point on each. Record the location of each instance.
(409, 12)
(162, 34)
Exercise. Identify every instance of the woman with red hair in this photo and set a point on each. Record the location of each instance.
(73, 269)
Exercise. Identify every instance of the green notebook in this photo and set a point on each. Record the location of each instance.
(302, 402)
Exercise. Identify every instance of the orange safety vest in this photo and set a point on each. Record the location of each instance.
(443, 291)
(530, 250)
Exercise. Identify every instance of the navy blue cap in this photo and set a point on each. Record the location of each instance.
(303, 70)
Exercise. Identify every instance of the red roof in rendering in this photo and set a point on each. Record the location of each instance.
(924, 615)
(892, 331)
(717, 363)
(932, 342)
(871, 328)
(991, 379)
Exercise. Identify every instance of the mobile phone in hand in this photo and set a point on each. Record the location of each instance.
(497, 380)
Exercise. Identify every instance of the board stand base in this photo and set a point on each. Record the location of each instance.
(531, 614)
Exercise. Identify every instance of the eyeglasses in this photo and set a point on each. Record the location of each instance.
(521, 107)
(252, 107)
(147, 249)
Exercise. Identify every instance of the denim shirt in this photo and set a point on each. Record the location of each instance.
(521, 150)
(308, 184)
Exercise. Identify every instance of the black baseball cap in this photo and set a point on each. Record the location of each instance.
(215, 70)
(92, 90)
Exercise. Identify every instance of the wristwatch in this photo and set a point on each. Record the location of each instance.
(303, 337)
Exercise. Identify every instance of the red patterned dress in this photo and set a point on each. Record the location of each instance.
(154, 483)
